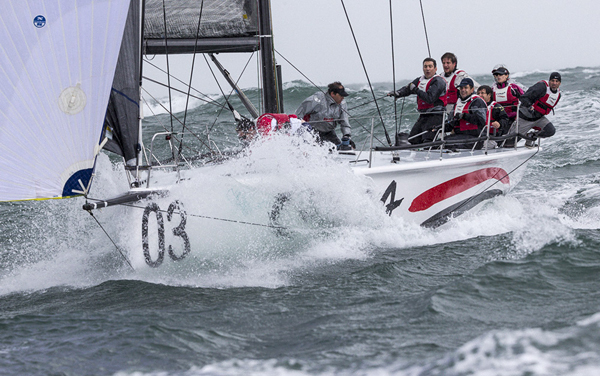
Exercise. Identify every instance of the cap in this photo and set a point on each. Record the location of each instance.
(500, 69)
(555, 76)
(466, 81)
(341, 91)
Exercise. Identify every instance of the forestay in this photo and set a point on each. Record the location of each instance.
(57, 62)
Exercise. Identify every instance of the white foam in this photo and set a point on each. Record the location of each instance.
(330, 216)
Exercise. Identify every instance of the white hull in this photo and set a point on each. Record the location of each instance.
(419, 187)
(429, 189)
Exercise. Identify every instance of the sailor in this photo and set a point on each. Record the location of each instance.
(268, 124)
(506, 91)
(246, 131)
(431, 102)
(324, 111)
(537, 102)
(453, 77)
(496, 115)
(469, 115)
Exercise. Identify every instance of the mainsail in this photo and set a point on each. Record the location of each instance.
(57, 62)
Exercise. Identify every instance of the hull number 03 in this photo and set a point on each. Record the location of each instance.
(178, 231)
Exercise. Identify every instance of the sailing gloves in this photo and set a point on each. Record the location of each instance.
(411, 88)
(345, 145)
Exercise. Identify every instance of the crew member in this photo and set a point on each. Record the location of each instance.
(496, 115)
(453, 77)
(537, 102)
(324, 111)
(431, 102)
(469, 115)
(506, 92)
(270, 123)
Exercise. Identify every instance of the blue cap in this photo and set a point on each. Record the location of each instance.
(466, 81)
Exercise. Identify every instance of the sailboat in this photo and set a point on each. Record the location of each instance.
(70, 81)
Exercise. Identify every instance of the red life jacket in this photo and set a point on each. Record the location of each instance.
(505, 97)
(489, 119)
(267, 123)
(451, 90)
(546, 103)
(424, 85)
(463, 106)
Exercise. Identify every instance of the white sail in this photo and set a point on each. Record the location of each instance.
(57, 62)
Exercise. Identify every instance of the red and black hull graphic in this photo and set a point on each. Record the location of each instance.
(454, 187)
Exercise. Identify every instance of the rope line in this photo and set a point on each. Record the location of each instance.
(393, 66)
(321, 90)
(168, 69)
(187, 100)
(425, 27)
(109, 238)
(215, 218)
(387, 136)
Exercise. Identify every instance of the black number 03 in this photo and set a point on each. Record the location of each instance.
(178, 231)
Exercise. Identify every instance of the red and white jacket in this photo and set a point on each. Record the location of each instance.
(545, 104)
(451, 89)
(506, 97)
(424, 84)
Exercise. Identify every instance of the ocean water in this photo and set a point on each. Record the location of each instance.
(510, 288)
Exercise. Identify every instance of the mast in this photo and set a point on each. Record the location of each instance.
(269, 73)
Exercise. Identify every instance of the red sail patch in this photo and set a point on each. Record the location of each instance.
(455, 186)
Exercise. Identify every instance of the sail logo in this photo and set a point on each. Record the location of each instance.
(39, 21)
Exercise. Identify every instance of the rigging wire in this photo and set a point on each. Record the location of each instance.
(168, 70)
(176, 118)
(393, 66)
(109, 238)
(366, 103)
(425, 27)
(209, 100)
(187, 101)
(215, 218)
(321, 90)
(387, 136)
(166, 130)
(214, 103)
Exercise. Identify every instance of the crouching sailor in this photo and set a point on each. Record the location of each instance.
(325, 111)
(469, 116)
(496, 115)
(536, 103)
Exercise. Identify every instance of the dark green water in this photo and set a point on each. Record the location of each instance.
(511, 288)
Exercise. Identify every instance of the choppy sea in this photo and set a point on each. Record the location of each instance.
(510, 288)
